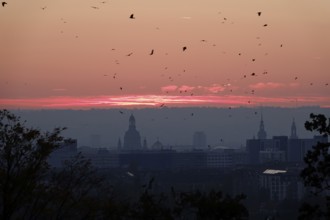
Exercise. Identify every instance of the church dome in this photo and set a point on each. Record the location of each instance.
(157, 145)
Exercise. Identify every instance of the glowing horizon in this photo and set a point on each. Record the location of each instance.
(159, 101)
(85, 54)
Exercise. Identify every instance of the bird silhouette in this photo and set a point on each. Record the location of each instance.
(253, 60)
(121, 112)
(265, 25)
(259, 13)
(253, 74)
(94, 7)
(129, 54)
(43, 8)
(132, 16)
(121, 88)
(3, 4)
(152, 52)
(184, 48)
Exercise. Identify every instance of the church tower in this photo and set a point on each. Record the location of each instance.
(293, 130)
(262, 133)
(132, 138)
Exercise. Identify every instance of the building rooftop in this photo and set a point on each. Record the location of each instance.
(271, 171)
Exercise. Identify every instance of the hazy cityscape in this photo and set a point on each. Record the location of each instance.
(165, 110)
(265, 167)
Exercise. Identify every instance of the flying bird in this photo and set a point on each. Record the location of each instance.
(94, 7)
(253, 60)
(129, 54)
(121, 112)
(253, 74)
(3, 4)
(132, 16)
(265, 25)
(43, 8)
(121, 88)
(152, 52)
(184, 48)
(259, 13)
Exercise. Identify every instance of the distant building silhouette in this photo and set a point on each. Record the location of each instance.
(293, 130)
(145, 144)
(262, 133)
(199, 139)
(157, 145)
(66, 151)
(132, 138)
(95, 140)
(279, 148)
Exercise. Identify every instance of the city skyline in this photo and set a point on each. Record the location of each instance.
(91, 54)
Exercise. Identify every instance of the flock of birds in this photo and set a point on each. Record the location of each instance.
(184, 48)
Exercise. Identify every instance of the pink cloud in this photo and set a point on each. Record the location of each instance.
(266, 85)
(215, 88)
(169, 88)
(186, 88)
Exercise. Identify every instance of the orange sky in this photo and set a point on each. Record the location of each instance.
(70, 55)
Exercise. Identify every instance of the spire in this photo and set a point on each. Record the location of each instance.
(131, 122)
(262, 133)
(145, 145)
(293, 130)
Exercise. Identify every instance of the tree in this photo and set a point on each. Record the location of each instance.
(29, 188)
(23, 162)
(211, 206)
(316, 174)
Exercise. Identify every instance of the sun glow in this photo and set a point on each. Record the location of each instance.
(153, 101)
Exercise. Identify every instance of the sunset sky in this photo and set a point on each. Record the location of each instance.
(78, 54)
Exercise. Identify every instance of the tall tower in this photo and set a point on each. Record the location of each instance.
(262, 133)
(131, 122)
(293, 130)
(145, 144)
(132, 138)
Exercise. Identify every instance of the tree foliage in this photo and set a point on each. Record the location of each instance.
(29, 188)
(316, 174)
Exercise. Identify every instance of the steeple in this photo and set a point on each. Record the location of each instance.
(131, 122)
(262, 133)
(132, 138)
(145, 145)
(293, 130)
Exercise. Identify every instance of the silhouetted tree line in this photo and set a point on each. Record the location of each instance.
(31, 189)
(316, 175)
